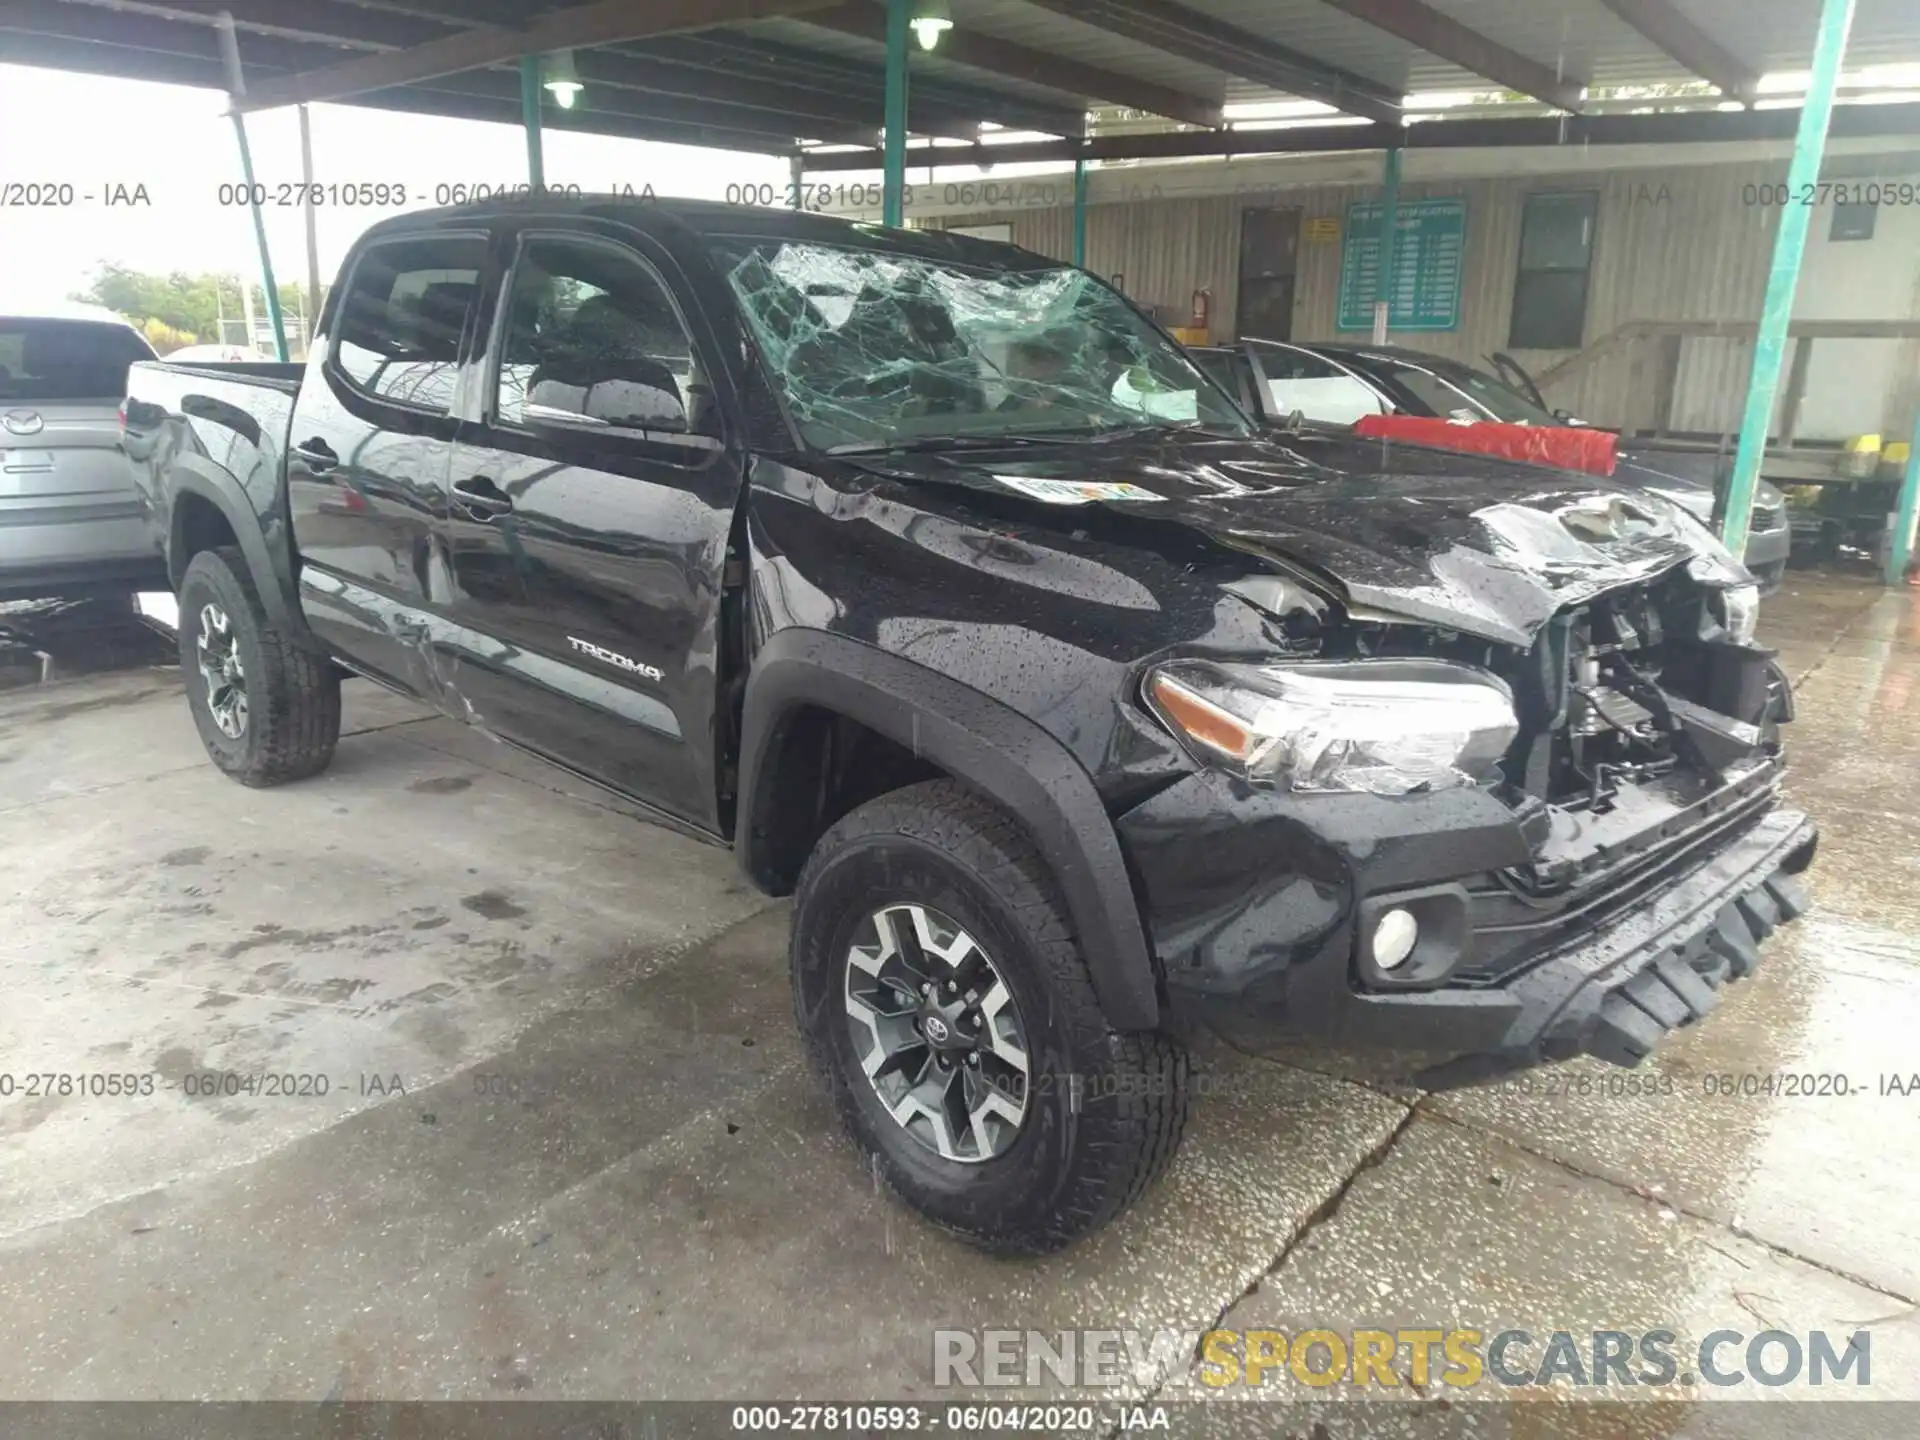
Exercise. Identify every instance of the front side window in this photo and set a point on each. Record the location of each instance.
(1293, 381)
(594, 340)
(873, 347)
(402, 316)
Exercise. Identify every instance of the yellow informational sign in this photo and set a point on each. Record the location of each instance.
(1321, 229)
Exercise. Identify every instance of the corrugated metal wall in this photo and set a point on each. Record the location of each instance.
(1686, 243)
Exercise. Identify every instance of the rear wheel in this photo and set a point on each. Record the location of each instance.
(268, 711)
(943, 995)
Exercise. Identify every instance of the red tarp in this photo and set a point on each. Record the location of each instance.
(1572, 447)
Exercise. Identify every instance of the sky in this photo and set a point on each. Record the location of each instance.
(96, 133)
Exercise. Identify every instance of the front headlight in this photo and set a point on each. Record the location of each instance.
(1738, 608)
(1383, 726)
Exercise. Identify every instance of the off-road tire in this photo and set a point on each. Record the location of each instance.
(293, 695)
(1105, 1108)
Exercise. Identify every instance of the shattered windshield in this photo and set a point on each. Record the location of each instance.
(874, 348)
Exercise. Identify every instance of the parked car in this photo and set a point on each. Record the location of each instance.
(934, 579)
(71, 522)
(1336, 384)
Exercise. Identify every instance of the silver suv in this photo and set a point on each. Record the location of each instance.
(71, 520)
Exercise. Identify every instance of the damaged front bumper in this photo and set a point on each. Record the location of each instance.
(1644, 950)
(1658, 968)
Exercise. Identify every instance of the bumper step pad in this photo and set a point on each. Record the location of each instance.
(1681, 986)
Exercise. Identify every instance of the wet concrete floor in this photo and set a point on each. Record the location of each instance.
(547, 1131)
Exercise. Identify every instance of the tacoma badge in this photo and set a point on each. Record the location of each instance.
(614, 657)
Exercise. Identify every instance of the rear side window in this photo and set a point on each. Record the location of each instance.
(401, 318)
(66, 359)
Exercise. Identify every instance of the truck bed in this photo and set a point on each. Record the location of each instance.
(247, 372)
(228, 423)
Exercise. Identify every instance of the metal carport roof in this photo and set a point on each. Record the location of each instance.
(769, 75)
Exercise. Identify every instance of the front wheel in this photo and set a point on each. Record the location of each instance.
(941, 991)
(267, 710)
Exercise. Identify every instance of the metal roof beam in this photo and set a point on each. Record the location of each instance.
(579, 27)
(1567, 131)
(418, 101)
(338, 23)
(1175, 29)
(1442, 35)
(273, 53)
(619, 71)
(1017, 62)
(180, 66)
(714, 112)
(934, 93)
(1693, 47)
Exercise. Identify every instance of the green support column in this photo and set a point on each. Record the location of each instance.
(530, 120)
(1080, 212)
(236, 88)
(1789, 244)
(1900, 543)
(1389, 223)
(894, 188)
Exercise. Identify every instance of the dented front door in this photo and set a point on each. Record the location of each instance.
(587, 528)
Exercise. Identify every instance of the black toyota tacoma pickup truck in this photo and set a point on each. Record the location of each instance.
(1076, 715)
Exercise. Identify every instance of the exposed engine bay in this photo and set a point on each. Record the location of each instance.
(1634, 706)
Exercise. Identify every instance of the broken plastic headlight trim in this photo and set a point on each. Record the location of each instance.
(1383, 727)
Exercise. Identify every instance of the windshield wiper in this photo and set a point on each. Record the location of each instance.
(1001, 440)
(1076, 435)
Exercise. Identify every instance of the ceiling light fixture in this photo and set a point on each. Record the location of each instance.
(931, 20)
(562, 80)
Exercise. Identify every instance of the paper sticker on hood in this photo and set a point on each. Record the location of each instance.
(1074, 492)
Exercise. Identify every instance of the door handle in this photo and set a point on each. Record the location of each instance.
(481, 498)
(316, 455)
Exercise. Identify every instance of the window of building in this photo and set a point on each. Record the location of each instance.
(1853, 220)
(1556, 257)
(402, 316)
(594, 335)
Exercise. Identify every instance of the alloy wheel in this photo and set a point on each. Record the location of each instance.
(220, 668)
(937, 1032)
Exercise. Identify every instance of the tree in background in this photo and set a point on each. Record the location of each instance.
(190, 307)
(163, 337)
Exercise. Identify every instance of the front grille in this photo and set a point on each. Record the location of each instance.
(1767, 518)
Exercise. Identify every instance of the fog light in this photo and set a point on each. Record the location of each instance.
(1394, 938)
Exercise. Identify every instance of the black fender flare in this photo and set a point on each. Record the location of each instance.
(190, 475)
(984, 743)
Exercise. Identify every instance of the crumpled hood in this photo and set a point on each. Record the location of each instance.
(1484, 546)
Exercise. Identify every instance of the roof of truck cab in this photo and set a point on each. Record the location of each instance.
(712, 219)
